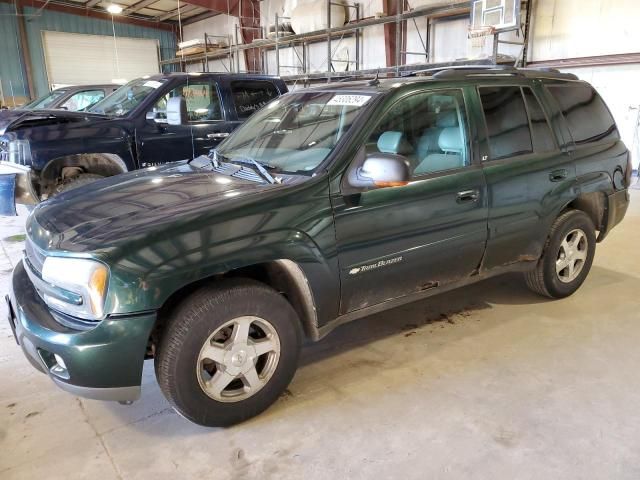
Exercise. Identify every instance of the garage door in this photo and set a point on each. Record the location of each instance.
(78, 59)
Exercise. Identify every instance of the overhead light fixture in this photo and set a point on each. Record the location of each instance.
(114, 9)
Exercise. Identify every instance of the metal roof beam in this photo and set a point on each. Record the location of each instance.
(182, 10)
(138, 6)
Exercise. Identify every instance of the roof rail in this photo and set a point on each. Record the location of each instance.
(500, 70)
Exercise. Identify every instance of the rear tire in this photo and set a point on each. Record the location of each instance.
(566, 258)
(227, 352)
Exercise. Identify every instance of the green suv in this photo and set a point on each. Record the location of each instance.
(328, 205)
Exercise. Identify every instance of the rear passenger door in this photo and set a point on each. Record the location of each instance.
(430, 233)
(529, 171)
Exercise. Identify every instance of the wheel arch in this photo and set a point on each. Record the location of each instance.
(283, 275)
(105, 164)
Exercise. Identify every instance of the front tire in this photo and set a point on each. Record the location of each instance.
(228, 352)
(566, 258)
(77, 181)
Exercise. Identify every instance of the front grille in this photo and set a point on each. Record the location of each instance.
(4, 152)
(34, 255)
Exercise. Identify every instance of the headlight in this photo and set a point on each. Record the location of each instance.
(20, 152)
(88, 279)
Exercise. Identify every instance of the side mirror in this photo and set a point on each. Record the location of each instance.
(381, 170)
(177, 111)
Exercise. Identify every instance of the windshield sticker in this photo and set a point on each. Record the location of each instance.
(349, 100)
(152, 84)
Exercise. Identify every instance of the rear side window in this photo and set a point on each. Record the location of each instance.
(507, 123)
(543, 139)
(251, 95)
(587, 116)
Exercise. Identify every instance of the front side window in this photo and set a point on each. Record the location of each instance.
(250, 96)
(507, 122)
(588, 118)
(203, 103)
(296, 132)
(429, 129)
(81, 100)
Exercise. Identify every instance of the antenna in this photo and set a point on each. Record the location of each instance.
(374, 81)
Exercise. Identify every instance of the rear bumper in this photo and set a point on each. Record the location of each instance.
(103, 362)
(15, 187)
(617, 205)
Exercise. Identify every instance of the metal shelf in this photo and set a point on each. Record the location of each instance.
(351, 28)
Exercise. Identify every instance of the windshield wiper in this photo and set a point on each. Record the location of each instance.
(260, 167)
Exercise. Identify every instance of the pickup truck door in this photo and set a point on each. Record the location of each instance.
(158, 142)
(397, 241)
(529, 171)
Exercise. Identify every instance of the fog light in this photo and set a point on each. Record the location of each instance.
(59, 361)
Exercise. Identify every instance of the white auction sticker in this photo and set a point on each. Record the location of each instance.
(349, 100)
(152, 84)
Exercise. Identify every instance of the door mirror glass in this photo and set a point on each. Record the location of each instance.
(177, 111)
(381, 170)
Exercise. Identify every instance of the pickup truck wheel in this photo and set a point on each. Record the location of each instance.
(77, 181)
(567, 256)
(228, 352)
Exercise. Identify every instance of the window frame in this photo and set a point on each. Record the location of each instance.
(467, 129)
(216, 87)
(233, 99)
(486, 154)
(546, 117)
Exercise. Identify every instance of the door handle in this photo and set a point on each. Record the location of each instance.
(467, 196)
(558, 175)
(218, 135)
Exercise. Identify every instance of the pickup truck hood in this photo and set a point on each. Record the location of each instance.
(16, 119)
(135, 207)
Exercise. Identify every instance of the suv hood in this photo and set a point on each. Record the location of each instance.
(17, 119)
(135, 206)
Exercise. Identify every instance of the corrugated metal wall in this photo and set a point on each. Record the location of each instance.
(64, 22)
(12, 73)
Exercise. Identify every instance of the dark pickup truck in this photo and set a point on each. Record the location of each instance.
(328, 205)
(45, 152)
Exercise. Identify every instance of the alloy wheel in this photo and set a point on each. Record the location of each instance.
(572, 255)
(238, 359)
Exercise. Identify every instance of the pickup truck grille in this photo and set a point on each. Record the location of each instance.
(34, 255)
(4, 152)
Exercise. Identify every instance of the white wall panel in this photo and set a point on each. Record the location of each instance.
(581, 28)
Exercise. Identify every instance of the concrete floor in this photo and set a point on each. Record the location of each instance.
(490, 382)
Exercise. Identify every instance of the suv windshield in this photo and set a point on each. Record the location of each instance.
(296, 132)
(127, 97)
(44, 102)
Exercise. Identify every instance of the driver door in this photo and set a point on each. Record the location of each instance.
(159, 142)
(430, 233)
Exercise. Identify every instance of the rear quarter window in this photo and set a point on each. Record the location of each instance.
(587, 116)
(250, 96)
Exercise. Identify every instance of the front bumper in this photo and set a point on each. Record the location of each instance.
(103, 362)
(16, 186)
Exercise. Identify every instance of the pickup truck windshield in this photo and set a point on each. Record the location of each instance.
(44, 102)
(127, 97)
(296, 132)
